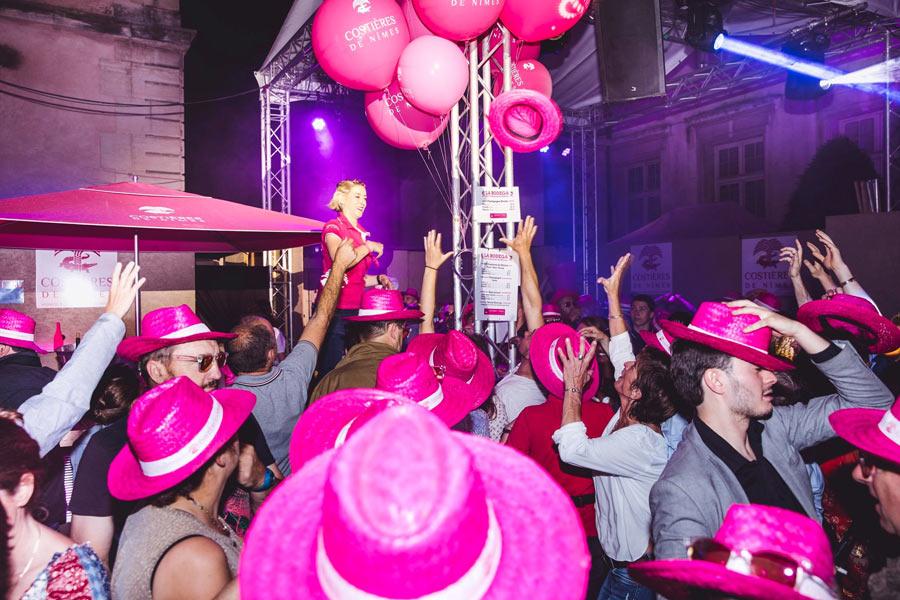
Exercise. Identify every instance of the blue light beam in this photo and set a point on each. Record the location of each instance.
(774, 57)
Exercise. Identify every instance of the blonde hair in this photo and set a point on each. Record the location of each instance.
(342, 189)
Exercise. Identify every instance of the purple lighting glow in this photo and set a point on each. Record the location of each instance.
(319, 124)
(545, 149)
(566, 151)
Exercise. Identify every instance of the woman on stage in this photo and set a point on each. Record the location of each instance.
(349, 201)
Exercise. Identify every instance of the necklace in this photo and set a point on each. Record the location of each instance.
(223, 526)
(31, 558)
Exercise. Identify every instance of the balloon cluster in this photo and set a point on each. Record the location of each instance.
(407, 57)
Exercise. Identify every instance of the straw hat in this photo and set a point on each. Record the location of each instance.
(17, 329)
(410, 376)
(854, 315)
(384, 305)
(456, 356)
(659, 340)
(546, 364)
(167, 326)
(873, 430)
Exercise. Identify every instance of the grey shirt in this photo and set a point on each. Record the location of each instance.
(281, 396)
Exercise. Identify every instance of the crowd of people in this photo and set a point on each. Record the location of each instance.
(735, 451)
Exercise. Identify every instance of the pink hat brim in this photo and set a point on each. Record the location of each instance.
(683, 579)
(545, 554)
(651, 340)
(540, 347)
(482, 382)
(397, 315)
(135, 347)
(550, 117)
(824, 315)
(127, 481)
(859, 426)
(22, 344)
(319, 425)
(760, 359)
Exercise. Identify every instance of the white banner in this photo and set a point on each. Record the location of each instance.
(760, 268)
(497, 289)
(651, 269)
(72, 278)
(497, 205)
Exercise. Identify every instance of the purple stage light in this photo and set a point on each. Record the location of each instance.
(566, 151)
(545, 149)
(319, 124)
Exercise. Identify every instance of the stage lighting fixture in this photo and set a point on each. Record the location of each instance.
(704, 23)
(817, 71)
(566, 151)
(319, 124)
(545, 150)
(810, 48)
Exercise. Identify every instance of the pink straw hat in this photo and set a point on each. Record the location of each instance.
(173, 429)
(875, 431)
(659, 340)
(384, 305)
(408, 509)
(757, 531)
(412, 377)
(549, 311)
(717, 327)
(546, 363)
(334, 418)
(17, 329)
(167, 326)
(854, 315)
(458, 357)
(524, 120)
(558, 295)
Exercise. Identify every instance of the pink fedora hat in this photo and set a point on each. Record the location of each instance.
(384, 305)
(17, 329)
(796, 544)
(458, 357)
(558, 295)
(717, 327)
(854, 315)
(875, 431)
(167, 326)
(412, 377)
(173, 429)
(659, 340)
(549, 311)
(546, 363)
(409, 509)
(333, 418)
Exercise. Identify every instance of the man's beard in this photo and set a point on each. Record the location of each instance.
(744, 405)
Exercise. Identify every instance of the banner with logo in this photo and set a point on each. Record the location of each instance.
(497, 288)
(760, 268)
(72, 278)
(497, 205)
(651, 269)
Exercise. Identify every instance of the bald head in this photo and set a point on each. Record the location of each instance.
(253, 350)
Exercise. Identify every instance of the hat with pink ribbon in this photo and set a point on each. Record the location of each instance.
(545, 361)
(716, 326)
(384, 305)
(659, 340)
(173, 429)
(332, 419)
(407, 508)
(167, 326)
(454, 355)
(411, 376)
(17, 330)
(550, 313)
(855, 316)
(759, 553)
(870, 429)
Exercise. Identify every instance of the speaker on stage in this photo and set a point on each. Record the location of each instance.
(629, 41)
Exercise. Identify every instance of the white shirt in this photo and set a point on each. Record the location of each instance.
(629, 462)
(620, 352)
(518, 393)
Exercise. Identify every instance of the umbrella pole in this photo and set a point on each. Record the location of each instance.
(137, 297)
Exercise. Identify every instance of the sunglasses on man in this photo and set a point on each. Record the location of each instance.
(204, 361)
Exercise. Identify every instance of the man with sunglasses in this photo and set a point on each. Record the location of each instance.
(877, 435)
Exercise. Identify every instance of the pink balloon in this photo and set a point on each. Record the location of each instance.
(536, 20)
(416, 26)
(433, 74)
(529, 75)
(518, 50)
(399, 123)
(458, 19)
(358, 42)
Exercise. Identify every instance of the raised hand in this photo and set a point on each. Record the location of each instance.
(833, 258)
(376, 248)
(767, 318)
(434, 255)
(794, 257)
(524, 236)
(123, 288)
(815, 269)
(612, 283)
(385, 282)
(344, 255)
(577, 365)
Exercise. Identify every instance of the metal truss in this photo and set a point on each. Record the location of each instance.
(891, 125)
(472, 165)
(586, 218)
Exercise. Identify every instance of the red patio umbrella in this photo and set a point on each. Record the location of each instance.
(138, 216)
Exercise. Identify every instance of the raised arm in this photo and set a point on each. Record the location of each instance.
(834, 261)
(343, 256)
(531, 290)
(819, 273)
(434, 258)
(794, 257)
(612, 285)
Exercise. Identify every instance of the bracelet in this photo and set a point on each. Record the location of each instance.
(615, 316)
(574, 390)
(843, 283)
(432, 268)
(268, 482)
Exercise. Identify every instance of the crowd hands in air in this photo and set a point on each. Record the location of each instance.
(628, 453)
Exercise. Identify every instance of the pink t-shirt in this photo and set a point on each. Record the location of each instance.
(355, 278)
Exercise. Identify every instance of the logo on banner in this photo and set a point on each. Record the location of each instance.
(651, 258)
(767, 252)
(571, 9)
(77, 260)
(156, 210)
(362, 6)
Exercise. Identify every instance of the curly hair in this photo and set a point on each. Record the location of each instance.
(342, 189)
(20, 455)
(657, 401)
